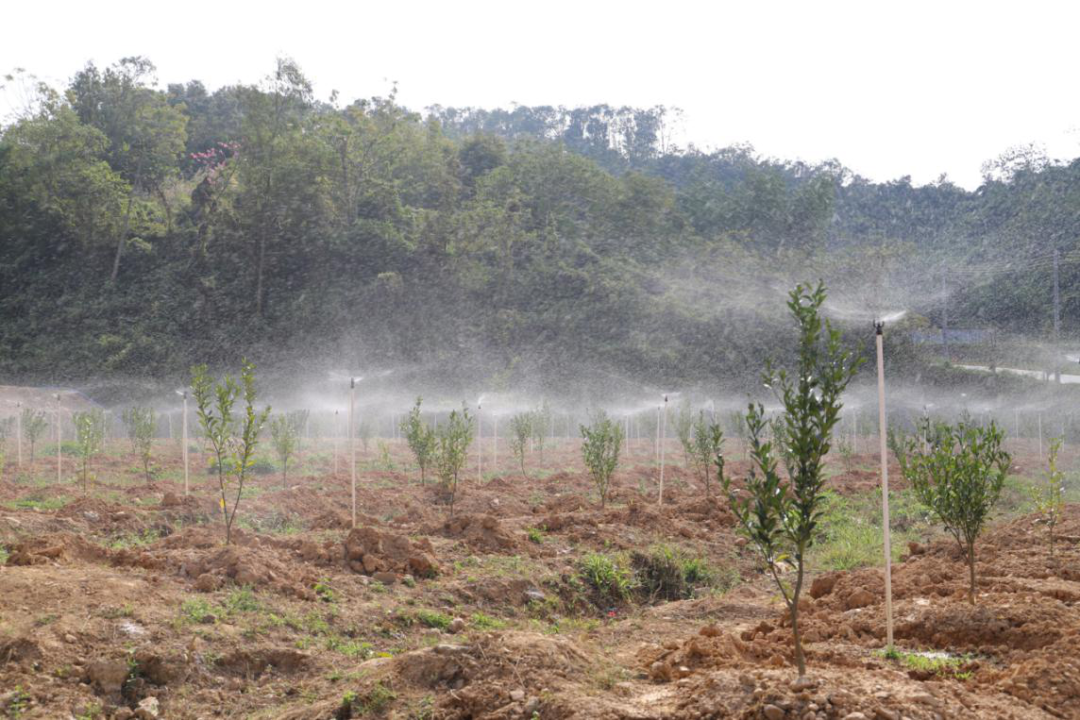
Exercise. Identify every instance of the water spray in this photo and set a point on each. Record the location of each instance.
(879, 333)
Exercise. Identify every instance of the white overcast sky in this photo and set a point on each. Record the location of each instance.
(888, 88)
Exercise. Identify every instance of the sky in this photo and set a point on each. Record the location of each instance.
(888, 88)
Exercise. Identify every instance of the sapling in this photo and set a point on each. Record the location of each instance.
(285, 433)
(1049, 495)
(600, 449)
(780, 516)
(957, 472)
(454, 437)
(232, 439)
(141, 425)
(706, 444)
(521, 429)
(540, 421)
(34, 426)
(90, 437)
(420, 439)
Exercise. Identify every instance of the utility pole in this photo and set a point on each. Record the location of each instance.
(945, 316)
(1057, 301)
(184, 440)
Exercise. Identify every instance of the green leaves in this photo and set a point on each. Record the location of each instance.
(420, 438)
(141, 425)
(957, 472)
(453, 440)
(233, 439)
(779, 516)
(603, 440)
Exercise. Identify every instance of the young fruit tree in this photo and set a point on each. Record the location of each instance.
(141, 425)
(285, 433)
(420, 438)
(1048, 496)
(233, 439)
(957, 472)
(600, 449)
(454, 437)
(34, 425)
(706, 445)
(780, 516)
(539, 422)
(90, 437)
(521, 429)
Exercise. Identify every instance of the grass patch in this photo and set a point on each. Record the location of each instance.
(485, 622)
(433, 619)
(606, 578)
(37, 502)
(935, 663)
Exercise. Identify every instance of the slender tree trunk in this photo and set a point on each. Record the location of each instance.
(123, 237)
(800, 659)
(971, 572)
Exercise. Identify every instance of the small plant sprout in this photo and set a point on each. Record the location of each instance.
(285, 432)
(141, 424)
(420, 439)
(957, 472)
(90, 437)
(602, 441)
(780, 516)
(34, 425)
(233, 439)
(454, 437)
(1048, 496)
(521, 429)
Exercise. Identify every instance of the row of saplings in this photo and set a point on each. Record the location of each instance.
(957, 471)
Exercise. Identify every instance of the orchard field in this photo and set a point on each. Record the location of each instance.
(531, 601)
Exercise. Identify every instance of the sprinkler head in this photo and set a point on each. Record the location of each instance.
(879, 327)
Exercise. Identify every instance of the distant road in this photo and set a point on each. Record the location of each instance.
(1038, 374)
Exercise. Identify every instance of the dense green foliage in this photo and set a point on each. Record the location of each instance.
(780, 516)
(957, 472)
(143, 230)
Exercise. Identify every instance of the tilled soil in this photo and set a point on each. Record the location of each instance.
(127, 604)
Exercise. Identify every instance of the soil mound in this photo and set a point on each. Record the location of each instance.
(369, 551)
(482, 533)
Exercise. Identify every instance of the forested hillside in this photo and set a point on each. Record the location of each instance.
(143, 230)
